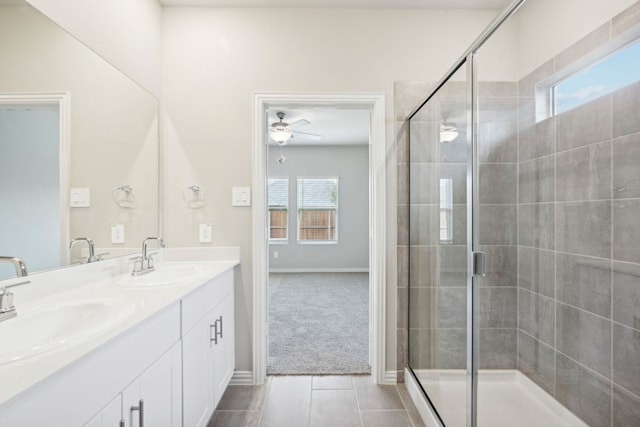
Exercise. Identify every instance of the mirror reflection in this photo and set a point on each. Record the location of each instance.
(78, 149)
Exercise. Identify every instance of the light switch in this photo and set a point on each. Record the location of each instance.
(241, 196)
(79, 198)
(206, 233)
(117, 233)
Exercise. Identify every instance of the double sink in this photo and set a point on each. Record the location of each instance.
(43, 328)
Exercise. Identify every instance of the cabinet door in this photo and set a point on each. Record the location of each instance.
(223, 353)
(159, 389)
(198, 403)
(110, 416)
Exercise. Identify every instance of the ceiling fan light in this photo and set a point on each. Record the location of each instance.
(280, 134)
(448, 132)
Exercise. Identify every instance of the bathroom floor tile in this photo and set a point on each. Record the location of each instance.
(244, 397)
(235, 419)
(373, 396)
(316, 401)
(386, 419)
(332, 382)
(331, 408)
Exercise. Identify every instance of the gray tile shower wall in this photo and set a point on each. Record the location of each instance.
(559, 220)
(579, 244)
(433, 289)
(422, 260)
(498, 198)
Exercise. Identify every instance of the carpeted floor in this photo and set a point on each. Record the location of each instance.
(318, 323)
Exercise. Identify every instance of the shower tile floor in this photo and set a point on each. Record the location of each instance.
(332, 401)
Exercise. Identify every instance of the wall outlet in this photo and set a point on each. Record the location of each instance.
(117, 233)
(206, 233)
(275, 255)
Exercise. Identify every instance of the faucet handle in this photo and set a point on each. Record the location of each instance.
(6, 297)
(99, 257)
(6, 301)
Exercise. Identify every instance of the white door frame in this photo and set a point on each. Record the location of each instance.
(63, 100)
(377, 219)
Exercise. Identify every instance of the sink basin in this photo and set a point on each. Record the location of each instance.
(58, 326)
(167, 275)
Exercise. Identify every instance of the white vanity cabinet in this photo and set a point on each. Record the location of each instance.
(93, 384)
(110, 416)
(158, 391)
(171, 366)
(208, 348)
(155, 398)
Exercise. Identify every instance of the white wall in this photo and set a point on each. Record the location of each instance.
(124, 32)
(214, 60)
(351, 165)
(562, 27)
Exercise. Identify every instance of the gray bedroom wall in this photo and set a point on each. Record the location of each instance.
(351, 165)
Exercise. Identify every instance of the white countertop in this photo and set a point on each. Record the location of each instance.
(138, 303)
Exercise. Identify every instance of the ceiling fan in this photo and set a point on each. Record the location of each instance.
(281, 132)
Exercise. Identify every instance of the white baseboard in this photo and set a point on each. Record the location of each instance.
(318, 270)
(391, 377)
(242, 378)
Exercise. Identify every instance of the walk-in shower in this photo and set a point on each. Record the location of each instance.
(523, 251)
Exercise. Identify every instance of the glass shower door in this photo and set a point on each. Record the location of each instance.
(439, 251)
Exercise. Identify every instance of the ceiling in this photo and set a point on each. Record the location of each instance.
(337, 126)
(346, 4)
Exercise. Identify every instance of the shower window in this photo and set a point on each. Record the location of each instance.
(617, 70)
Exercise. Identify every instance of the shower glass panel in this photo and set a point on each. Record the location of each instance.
(438, 276)
(554, 200)
(559, 218)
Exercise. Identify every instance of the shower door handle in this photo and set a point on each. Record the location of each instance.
(479, 264)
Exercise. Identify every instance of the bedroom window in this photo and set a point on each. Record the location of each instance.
(318, 210)
(278, 195)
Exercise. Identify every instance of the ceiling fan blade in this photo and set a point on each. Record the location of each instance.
(312, 136)
(299, 124)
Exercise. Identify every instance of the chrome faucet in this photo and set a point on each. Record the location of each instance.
(92, 256)
(21, 267)
(7, 309)
(144, 263)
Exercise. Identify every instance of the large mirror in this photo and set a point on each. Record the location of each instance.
(78, 148)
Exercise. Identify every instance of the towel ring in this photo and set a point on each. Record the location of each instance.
(194, 197)
(124, 197)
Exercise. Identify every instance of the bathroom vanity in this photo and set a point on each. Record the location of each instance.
(154, 350)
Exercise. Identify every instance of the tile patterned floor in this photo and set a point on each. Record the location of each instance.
(318, 401)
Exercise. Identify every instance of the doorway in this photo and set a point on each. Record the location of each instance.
(33, 167)
(318, 238)
(374, 104)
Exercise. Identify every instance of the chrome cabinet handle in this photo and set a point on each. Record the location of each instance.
(220, 320)
(139, 408)
(214, 338)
